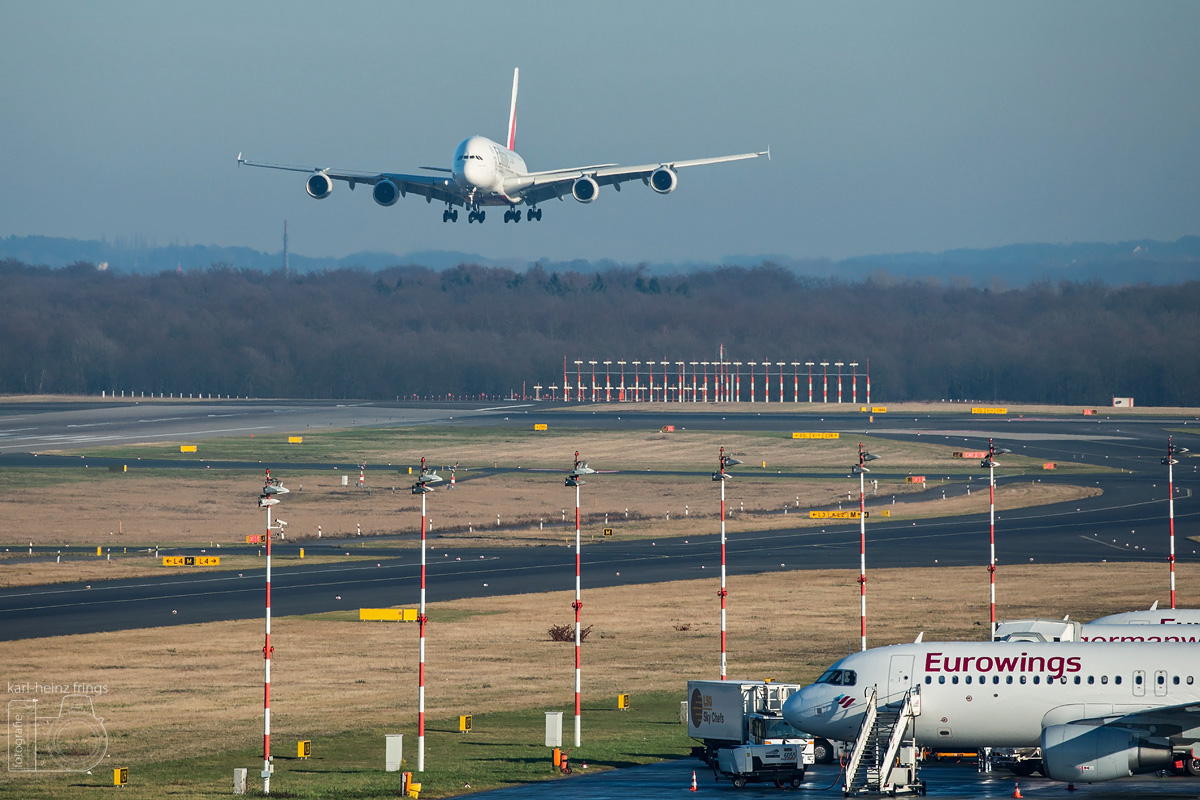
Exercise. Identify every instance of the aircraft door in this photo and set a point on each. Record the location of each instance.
(1139, 682)
(1160, 682)
(900, 678)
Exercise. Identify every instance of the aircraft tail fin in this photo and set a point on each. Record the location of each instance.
(512, 113)
(1154, 607)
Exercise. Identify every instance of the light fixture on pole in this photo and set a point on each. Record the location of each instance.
(269, 497)
(989, 461)
(737, 381)
(854, 382)
(1170, 461)
(795, 381)
(637, 381)
(579, 381)
(720, 477)
(839, 365)
(423, 486)
(809, 364)
(666, 379)
(607, 382)
(752, 365)
(825, 381)
(781, 365)
(861, 470)
(705, 389)
(573, 479)
(621, 391)
(693, 364)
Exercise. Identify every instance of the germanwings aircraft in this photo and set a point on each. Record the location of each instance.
(1098, 712)
(486, 173)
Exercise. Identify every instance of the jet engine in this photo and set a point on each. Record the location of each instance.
(585, 189)
(663, 180)
(1089, 753)
(386, 193)
(319, 186)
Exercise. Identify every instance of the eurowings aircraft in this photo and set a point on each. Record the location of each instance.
(1098, 711)
(487, 173)
(1154, 616)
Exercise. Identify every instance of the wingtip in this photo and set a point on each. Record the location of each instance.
(241, 160)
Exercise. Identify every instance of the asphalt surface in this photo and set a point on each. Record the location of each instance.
(1127, 522)
(673, 779)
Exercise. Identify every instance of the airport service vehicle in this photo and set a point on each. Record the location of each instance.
(1098, 713)
(1066, 630)
(487, 173)
(730, 713)
(755, 763)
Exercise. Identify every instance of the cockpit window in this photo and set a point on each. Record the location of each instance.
(839, 677)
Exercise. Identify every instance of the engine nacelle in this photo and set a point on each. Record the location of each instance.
(664, 180)
(585, 189)
(386, 193)
(1090, 753)
(319, 186)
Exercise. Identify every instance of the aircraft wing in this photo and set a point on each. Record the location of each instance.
(538, 187)
(1180, 722)
(431, 187)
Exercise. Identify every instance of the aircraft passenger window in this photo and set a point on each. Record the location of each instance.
(1008, 678)
(968, 679)
(1037, 678)
(1116, 679)
(1137, 679)
(1091, 679)
(941, 678)
(954, 679)
(849, 677)
(1175, 680)
(1189, 680)
(995, 679)
(1022, 679)
(1077, 681)
(1160, 679)
(1104, 679)
(928, 679)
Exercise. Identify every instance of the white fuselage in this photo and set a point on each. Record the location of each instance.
(1000, 694)
(484, 166)
(1160, 616)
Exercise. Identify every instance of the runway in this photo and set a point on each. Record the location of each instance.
(1127, 522)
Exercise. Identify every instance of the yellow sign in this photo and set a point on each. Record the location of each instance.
(187, 448)
(464, 723)
(191, 561)
(304, 748)
(255, 538)
(295, 440)
(887, 512)
(541, 426)
(834, 514)
(388, 614)
(815, 435)
(121, 776)
(623, 702)
(989, 410)
(879, 409)
(607, 532)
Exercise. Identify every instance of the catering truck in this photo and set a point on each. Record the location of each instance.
(732, 713)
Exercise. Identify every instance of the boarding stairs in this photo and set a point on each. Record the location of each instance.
(884, 759)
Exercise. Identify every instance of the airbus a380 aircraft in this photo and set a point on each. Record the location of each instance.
(487, 173)
(1098, 713)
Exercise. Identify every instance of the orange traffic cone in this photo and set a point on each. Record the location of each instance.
(1017, 793)
(694, 781)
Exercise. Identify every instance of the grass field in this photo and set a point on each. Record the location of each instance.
(183, 706)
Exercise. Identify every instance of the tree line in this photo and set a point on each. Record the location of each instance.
(472, 330)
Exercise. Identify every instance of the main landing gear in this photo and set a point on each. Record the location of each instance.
(476, 216)
(531, 214)
(450, 215)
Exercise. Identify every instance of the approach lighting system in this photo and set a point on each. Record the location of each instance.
(720, 477)
(272, 489)
(861, 470)
(1169, 462)
(989, 461)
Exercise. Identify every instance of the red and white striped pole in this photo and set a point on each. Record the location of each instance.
(422, 620)
(795, 381)
(868, 381)
(267, 650)
(862, 470)
(854, 382)
(809, 364)
(723, 593)
(990, 463)
(780, 364)
(1171, 461)
(578, 605)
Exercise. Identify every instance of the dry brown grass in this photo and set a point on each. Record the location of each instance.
(198, 688)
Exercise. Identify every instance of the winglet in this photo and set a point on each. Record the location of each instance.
(512, 113)
(241, 160)
(920, 638)
(1154, 606)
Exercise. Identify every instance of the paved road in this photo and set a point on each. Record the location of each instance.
(1126, 523)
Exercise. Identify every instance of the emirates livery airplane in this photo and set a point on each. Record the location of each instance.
(487, 173)
(1098, 711)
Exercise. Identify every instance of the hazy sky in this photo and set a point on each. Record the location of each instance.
(893, 126)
